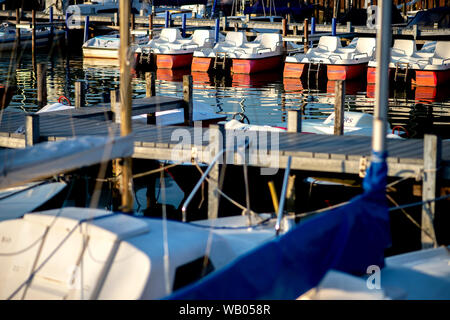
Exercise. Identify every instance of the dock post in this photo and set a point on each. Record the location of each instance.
(79, 94)
(150, 27)
(224, 23)
(216, 144)
(17, 43)
(41, 77)
(115, 98)
(333, 27)
(33, 33)
(305, 35)
(349, 26)
(116, 19)
(67, 28)
(294, 121)
(50, 19)
(31, 129)
(431, 164)
(86, 29)
(125, 104)
(217, 31)
(183, 25)
(133, 26)
(339, 102)
(150, 87)
(188, 101)
(284, 31)
(167, 19)
(313, 28)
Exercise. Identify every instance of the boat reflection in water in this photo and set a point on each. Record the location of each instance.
(172, 75)
(256, 80)
(352, 87)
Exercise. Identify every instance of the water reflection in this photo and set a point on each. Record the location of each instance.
(264, 98)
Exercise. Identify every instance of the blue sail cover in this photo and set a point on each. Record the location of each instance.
(348, 238)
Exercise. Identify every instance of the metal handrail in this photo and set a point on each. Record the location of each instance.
(203, 177)
(283, 196)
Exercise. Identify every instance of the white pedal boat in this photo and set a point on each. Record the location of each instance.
(107, 46)
(264, 53)
(342, 63)
(429, 66)
(173, 51)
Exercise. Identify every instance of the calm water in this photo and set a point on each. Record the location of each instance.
(263, 98)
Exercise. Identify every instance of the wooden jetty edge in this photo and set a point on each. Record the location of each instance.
(321, 153)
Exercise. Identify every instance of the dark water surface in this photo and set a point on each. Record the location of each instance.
(264, 98)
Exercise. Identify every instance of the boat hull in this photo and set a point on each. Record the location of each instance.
(100, 53)
(201, 64)
(173, 61)
(247, 66)
(432, 78)
(293, 70)
(371, 75)
(345, 72)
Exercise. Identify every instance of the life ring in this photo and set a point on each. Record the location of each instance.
(400, 128)
(243, 117)
(62, 98)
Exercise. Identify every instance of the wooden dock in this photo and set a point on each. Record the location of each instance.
(292, 31)
(318, 153)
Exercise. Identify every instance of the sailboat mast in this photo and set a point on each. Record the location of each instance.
(382, 78)
(125, 101)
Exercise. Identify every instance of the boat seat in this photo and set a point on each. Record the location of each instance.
(170, 35)
(441, 53)
(232, 40)
(203, 38)
(403, 47)
(327, 44)
(265, 42)
(364, 48)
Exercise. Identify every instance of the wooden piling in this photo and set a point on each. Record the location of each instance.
(431, 164)
(31, 129)
(294, 121)
(17, 29)
(133, 26)
(339, 102)
(150, 26)
(115, 105)
(125, 104)
(284, 31)
(305, 35)
(41, 79)
(79, 94)
(33, 33)
(216, 144)
(188, 101)
(150, 87)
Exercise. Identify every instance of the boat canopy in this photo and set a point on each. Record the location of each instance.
(349, 238)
